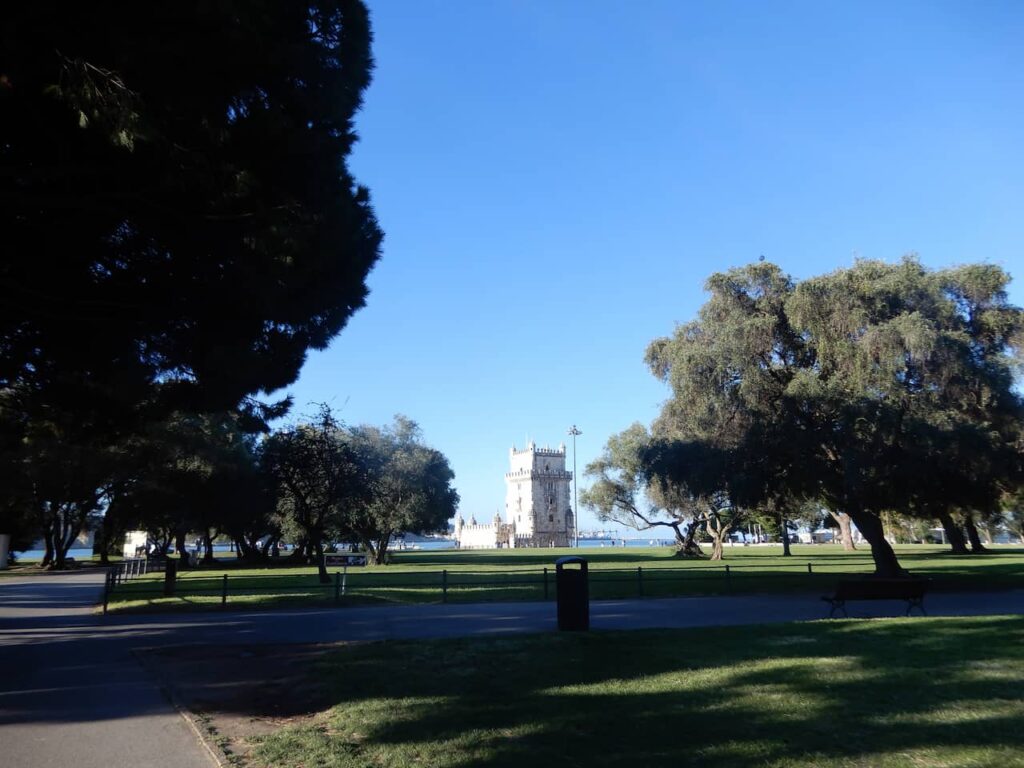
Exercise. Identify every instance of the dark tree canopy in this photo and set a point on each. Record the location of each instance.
(409, 486)
(360, 484)
(180, 225)
(873, 389)
(317, 476)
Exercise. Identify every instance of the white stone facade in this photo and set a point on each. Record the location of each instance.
(536, 505)
(493, 535)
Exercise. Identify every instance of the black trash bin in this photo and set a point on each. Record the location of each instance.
(573, 594)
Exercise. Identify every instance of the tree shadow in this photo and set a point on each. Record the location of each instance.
(816, 692)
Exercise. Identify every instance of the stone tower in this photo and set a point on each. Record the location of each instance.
(537, 497)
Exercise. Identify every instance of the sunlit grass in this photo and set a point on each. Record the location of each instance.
(501, 575)
(834, 694)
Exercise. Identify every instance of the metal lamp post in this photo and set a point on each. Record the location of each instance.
(575, 482)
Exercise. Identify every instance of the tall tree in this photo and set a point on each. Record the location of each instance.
(408, 486)
(317, 474)
(728, 371)
(624, 491)
(189, 474)
(902, 409)
(171, 234)
(180, 223)
(855, 389)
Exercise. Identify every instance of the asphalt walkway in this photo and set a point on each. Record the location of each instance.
(71, 692)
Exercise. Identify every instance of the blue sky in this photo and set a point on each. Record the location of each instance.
(557, 179)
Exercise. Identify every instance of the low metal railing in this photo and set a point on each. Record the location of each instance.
(526, 583)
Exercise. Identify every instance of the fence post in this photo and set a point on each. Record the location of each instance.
(106, 591)
(145, 564)
(444, 586)
(344, 578)
(545, 583)
(337, 587)
(809, 568)
(728, 579)
(640, 581)
(224, 593)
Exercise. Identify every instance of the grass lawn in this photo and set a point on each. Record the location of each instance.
(485, 575)
(895, 692)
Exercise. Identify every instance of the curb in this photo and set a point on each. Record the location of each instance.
(219, 758)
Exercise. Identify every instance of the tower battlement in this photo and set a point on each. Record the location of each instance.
(531, 447)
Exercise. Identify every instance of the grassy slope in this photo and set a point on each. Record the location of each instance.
(919, 692)
(517, 575)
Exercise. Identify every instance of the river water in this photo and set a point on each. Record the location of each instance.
(426, 545)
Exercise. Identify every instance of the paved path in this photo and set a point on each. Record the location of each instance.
(72, 694)
(70, 697)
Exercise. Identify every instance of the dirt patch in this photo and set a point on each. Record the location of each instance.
(239, 692)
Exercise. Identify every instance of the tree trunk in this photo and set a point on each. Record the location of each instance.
(687, 546)
(103, 539)
(718, 532)
(986, 533)
(64, 532)
(845, 530)
(367, 543)
(48, 555)
(321, 567)
(56, 543)
(181, 547)
(298, 553)
(886, 564)
(250, 546)
(60, 554)
(972, 533)
(208, 547)
(717, 549)
(785, 537)
(380, 556)
(954, 534)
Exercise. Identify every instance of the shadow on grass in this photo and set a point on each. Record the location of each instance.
(922, 692)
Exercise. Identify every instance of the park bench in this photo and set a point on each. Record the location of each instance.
(344, 558)
(911, 590)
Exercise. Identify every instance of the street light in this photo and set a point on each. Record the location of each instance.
(575, 484)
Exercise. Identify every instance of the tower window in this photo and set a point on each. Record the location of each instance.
(551, 518)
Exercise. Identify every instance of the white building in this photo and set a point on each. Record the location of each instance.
(536, 505)
(136, 544)
(493, 535)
